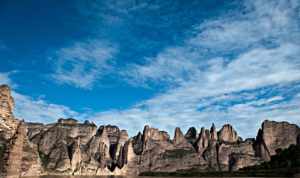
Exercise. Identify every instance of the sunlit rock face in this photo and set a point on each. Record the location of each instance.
(203, 140)
(228, 134)
(236, 155)
(6, 102)
(69, 147)
(8, 123)
(180, 141)
(275, 135)
(18, 156)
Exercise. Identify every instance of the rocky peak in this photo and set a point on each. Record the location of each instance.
(88, 123)
(68, 121)
(137, 143)
(191, 135)
(213, 133)
(228, 134)
(261, 149)
(203, 140)
(153, 137)
(123, 137)
(146, 133)
(154, 134)
(104, 137)
(112, 132)
(178, 137)
(274, 135)
(6, 102)
(8, 123)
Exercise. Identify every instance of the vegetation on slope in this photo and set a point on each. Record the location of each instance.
(286, 162)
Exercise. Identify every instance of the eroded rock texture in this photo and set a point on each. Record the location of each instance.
(68, 147)
(18, 156)
(275, 135)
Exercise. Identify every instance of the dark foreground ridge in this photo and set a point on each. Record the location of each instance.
(71, 148)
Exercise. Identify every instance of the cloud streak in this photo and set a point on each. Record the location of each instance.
(38, 110)
(83, 63)
(261, 41)
(35, 110)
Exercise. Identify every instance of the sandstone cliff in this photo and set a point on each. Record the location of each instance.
(69, 147)
(18, 156)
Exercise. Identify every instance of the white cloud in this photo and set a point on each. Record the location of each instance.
(272, 21)
(264, 24)
(162, 69)
(245, 111)
(83, 63)
(35, 110)
(265, 52)
(38, 110)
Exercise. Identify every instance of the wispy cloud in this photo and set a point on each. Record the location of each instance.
(38, 110)
(83, 63)
(35, 110)
(251, 49)
(260, 26)
(245, 110)
(5, 78)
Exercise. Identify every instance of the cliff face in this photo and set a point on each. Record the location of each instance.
(18, 156)
(275, 135)
(71, 148)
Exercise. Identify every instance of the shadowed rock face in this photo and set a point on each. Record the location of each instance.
(72, 148)
(203, 140)
(191, 135)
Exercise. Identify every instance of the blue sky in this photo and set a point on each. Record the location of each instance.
(164, 63)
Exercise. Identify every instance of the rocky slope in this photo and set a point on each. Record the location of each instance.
(68, 147)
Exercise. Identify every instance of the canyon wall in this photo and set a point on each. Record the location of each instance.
(68, 147)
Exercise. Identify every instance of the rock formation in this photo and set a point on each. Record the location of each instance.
(18, 156)
(227, 134)
(6, 102)
(69, 147)
(8, 124)
(191, 135)
(275, 135)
